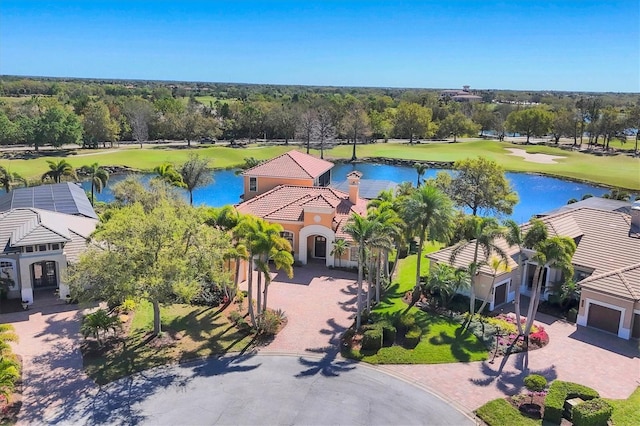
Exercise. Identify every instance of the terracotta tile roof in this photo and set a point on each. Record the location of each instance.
(292, 165)
(623, 282)
(287, 203)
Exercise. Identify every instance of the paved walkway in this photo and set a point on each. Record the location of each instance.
(52, 364)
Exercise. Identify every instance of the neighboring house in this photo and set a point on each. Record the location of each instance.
(290, 168)
(312, 214)
(606, 263)
(42, 230)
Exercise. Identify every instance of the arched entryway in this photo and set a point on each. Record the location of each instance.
(316, 241)
(44, 275)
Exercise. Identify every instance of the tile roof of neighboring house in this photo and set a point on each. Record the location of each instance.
(292, 165)
(623, 282)
(29, 226)
(595, 203)
(59, 197)
(465, 256)
(603, 241)
(287, 203)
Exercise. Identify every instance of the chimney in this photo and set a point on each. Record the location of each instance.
(354, 186)
(635, 220)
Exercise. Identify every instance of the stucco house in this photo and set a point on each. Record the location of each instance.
(293, 190)
(606, 263)
(42, 230)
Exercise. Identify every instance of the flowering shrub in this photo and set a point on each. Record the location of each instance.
(539, 337)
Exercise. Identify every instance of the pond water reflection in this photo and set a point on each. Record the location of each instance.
(537, 193)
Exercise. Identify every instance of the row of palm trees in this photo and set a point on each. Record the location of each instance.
(425, 213)
(258, 243)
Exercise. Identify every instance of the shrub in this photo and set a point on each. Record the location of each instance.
(388, 332)
(372, 339)
(540, 337)
(535, 383)
(209, 294)
(412, 338)
(235, 317)
(572, 315)
(406, 321)
(595, 412)
(559, 392)
(269, 322)
(240, 297)
(128, 305)
(98, 324)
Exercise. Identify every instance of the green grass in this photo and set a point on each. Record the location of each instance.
(619, 171)
(442, 341)
(201, 332)
(499, 412)
(626, 412)
(145, 159)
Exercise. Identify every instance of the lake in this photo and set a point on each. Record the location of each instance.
(537, 193)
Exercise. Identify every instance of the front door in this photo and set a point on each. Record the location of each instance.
(500, 294)
(320, 247)
(43, 275)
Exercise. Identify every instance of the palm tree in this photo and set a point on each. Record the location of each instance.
(249, 163)
(364, 232)
(59, 169)
(391, 226)
(554, 252)
(99, 178)
(446, 281)
(485, 232)
(340, 247)
(428, 213)
(169, 174)
(421, 168)
(9, 180)
(195, 172)
(9, 375)
(515, 237)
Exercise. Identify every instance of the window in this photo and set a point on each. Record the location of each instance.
(42, 247)
(29, 249)
(55, 246)
(287, 235)
(353, 254)
(253, 184)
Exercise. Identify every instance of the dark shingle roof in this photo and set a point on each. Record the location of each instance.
(65, 197)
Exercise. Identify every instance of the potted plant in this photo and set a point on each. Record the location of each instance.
(25, 304)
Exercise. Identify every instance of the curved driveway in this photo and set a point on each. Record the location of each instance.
(262, 389)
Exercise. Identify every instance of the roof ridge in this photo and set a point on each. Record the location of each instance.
(286, 205)
(629, 288)
(612, 272)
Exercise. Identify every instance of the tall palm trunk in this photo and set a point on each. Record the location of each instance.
(518, 296)
(359, 295)
(259, 294)
(535, 300)
(252, 314)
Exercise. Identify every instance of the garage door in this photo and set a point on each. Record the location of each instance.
(604, 318)
(501, 294)
(635, 333)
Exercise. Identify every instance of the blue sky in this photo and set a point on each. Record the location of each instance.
(579, 45)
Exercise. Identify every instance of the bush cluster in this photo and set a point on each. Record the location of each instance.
(535, 383)
(269, 322)
(595, 412)
(559, 392)
(406, 321)
(412, 337)
(388, 333)
(372, 339)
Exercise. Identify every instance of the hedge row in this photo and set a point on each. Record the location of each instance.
(595, 412)
(559, 392)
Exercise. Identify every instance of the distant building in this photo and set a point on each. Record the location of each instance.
(464, 95)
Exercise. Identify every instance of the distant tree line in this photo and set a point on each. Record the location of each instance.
(96, 113)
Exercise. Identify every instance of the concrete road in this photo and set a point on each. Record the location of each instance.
(263, 389)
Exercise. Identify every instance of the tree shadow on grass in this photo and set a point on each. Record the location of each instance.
(328, 365)
(458, 343)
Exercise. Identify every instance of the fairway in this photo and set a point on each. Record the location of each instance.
(615, 171)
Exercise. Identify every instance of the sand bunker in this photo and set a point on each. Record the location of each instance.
(535, 158)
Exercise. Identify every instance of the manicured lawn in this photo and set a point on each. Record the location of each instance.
(190, 331)
(442, 340)
(619, 170)
(499, 412)
(145, 159)
(626, 412)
